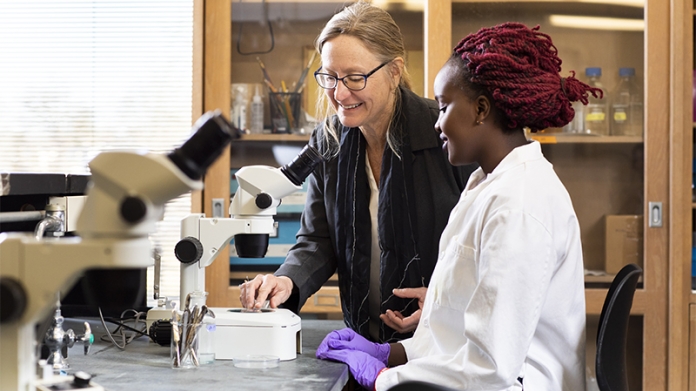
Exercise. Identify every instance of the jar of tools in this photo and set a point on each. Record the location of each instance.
(192, 342)
(184, 350)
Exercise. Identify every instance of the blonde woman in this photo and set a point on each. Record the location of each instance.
(376, 208)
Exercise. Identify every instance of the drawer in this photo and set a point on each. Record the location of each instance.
(326, 300)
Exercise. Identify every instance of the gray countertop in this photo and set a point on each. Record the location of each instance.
(22, 183)
(145, 366)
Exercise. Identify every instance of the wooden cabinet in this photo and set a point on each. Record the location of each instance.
(682, 301)
(608, 175)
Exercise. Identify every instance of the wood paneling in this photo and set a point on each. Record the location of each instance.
(437, 41)
(689, 369)
(656, 240)
(682, 316)
(216, 96)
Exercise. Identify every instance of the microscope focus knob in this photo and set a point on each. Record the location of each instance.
(188, 250)
(264, 201)
(133, 209)
(13, 300)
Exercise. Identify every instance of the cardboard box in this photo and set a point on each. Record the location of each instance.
(624, 242)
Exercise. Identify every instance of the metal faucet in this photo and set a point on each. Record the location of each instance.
(56, 338)
(53, 223)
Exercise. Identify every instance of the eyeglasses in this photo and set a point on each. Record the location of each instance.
(355, 82)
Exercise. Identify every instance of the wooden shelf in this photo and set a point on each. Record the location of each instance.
(605, 278)
(559, 138)
(564, 138)
(594, 301)
(276, 137)
(595, 296)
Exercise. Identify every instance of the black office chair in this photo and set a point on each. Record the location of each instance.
(610, 363)
(419, 386)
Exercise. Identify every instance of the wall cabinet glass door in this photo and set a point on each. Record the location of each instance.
(607, 171)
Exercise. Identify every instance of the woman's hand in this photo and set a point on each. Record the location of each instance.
(405, 324)
(347, 339)
(267, 287)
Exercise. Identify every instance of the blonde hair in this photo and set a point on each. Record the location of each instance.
(376, 29)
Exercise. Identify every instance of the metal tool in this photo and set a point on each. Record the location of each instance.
(56, 339)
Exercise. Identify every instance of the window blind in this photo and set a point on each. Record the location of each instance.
(81, 77)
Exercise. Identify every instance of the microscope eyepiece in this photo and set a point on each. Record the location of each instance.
(212, 134)
(302, 165)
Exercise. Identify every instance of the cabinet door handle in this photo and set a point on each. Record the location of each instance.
(317, 296)
(655, 213)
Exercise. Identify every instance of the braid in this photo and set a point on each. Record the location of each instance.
(519, 67)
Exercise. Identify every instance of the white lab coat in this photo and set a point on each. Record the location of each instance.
(507, 298)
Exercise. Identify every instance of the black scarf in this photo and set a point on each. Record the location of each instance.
(400, 262)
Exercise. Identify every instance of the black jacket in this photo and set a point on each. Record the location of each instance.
(331, 239)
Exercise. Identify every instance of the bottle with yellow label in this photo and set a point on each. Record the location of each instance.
(596, 112)
(627, 105)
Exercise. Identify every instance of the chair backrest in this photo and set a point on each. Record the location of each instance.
(610, 365)
(414, 385)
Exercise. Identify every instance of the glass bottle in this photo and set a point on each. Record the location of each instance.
(596, 112)
(577, 124)
(256, 113)
(206, 343)
(627, 105)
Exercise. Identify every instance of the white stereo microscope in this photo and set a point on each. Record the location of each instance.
(125, 198)
(261, 189)
(241, 333)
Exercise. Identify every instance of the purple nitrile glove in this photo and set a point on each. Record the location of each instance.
(363, 367)
(347, 339)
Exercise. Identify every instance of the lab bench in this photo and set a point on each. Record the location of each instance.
(144, 365)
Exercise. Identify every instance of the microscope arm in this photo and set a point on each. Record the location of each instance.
(203, 238)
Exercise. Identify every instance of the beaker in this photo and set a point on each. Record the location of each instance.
(184, 345)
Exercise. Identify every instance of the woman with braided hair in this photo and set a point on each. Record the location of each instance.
(505, 308)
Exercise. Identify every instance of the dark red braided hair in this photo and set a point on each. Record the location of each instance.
(519, 68)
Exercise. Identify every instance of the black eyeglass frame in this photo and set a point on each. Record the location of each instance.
(342, 79)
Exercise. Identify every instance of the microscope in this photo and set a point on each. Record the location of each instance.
(260, 191)
(125, 198)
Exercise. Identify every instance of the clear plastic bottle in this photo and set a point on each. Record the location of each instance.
(256, 113)
(627, 105)
(239, 108)
(577, 125)
(595, 113)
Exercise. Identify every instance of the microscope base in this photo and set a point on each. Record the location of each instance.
(65, 383)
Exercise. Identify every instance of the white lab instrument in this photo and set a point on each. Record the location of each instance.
(250, 223)
(125, 198)
(245, 334)
(261, 189)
